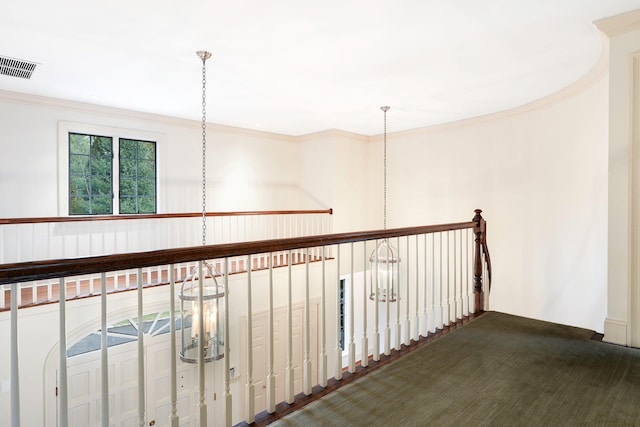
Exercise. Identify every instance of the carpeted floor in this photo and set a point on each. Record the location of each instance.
(499, 370)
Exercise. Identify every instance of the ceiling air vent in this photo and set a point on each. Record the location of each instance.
(16, 67)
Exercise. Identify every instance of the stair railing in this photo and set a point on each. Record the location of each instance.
(443, 277)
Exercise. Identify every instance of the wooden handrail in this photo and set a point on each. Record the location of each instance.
(487, 257)
(49, 269)
(81, 218)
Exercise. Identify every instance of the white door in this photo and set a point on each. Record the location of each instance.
(158, 394)
(261, 348)
(84, 383)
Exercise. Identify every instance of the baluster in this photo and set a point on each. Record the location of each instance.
(448, 301)
(250, 387)
(376, 311)
(173, 416)
(468, 271)
(440, 294)
(397, 306)
(352, 343)
(387, 304)
(306, 372)
(425, 314)
(63, 396)
(433, 281)
(271, 379)
(104, 370)
(116, 279)
(324, 374)
(34, 292)
(228, 402)
(417, 322)
(460, 301)
(289, 372)
(15, 377)
(141, 384)
(407, 322)
(455, 278)
(338, 374)
(364, 352)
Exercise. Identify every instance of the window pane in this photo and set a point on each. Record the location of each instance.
(137, 176)
(79, 144)
(128, 168)
(147, 205)
(101, 185)
(101, 166)
(147, 150)
(79, 165)
(101, 146)
(146, 169)
(128, 149)
(101, 205)
(127, 187)
(147, 187)
(90, 169)
(128, 205)
(79, 185)
(79, 205)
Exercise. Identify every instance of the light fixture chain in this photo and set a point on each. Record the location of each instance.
(204, 151)
(385, 170)
(384, 214)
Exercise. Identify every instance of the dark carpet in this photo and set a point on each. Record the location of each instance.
(499, 370)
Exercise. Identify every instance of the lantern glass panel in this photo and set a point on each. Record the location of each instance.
(202, 322)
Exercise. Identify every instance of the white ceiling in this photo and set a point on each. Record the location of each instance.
(296, 67)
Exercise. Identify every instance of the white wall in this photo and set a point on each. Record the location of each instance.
(540, 175)
(246, 170)
(334, 167)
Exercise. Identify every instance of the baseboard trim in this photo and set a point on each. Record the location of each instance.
(615, 331)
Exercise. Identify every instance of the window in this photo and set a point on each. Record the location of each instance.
(90, 175)
(125, 331)
(137, 176)
(98, 164)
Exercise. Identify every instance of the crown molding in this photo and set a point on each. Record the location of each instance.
(619, 24)
(136, 115)
(335, 133)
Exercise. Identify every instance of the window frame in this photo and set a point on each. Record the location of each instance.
(116, 133)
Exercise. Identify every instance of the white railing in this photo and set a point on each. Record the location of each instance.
(31, 239)
(283, 325)
(34, 239)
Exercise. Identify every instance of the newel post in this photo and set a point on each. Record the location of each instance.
(478, 230)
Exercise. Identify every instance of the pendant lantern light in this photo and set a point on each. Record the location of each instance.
(384, 258)
(201, 296)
